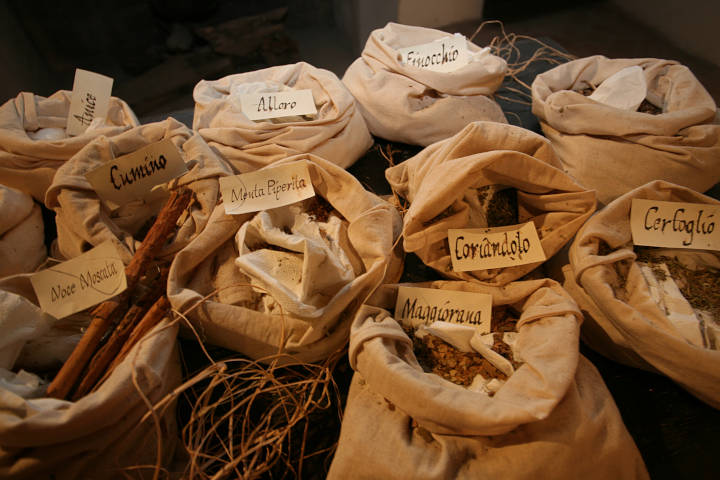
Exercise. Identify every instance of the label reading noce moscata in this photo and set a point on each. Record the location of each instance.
(90, 99)
(658, 223)
(445, 55)
(80, 283)
(266, 188)
(485, 248)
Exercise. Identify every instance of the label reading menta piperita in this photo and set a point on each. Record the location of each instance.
(80, 283)
(266, 188)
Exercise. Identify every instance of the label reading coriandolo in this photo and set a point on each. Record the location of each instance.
(133, 176)
(485, 248)
(80, 283)
(263, 106)
(445, 55)
(90, 99)
(422, 306)
(267, 188)
(656, 223)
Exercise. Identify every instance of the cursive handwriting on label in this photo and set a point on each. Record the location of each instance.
(264, 106)
(415, 306)
(674, 224)
(266, 188)
(484, 248)
(133, 176)
(444, 55)
(82, 282)
(90, 99)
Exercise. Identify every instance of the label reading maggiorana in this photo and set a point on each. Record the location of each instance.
(485, 248)
(416, 306)
(444, 55)
(267, 188)
(133, 176)
(262, 106)
(80, 283)
(657, 223)
(90, 99)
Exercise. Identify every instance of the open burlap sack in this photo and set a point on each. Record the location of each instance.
(623, 321)
(33, 141)
(84, 220)
(613, 150)
(553, 418)
(407, 104)
(337, 132)
(98, 436)
(441, 184)
(22, 233)
(318, 272)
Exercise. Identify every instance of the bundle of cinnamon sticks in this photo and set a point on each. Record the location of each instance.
(126, 318)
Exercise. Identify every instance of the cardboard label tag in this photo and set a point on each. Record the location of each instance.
(417, 306)
(262, 106)
(267, 188)
(657, 223)
(90, 99)
(133, 176)
(444, 55)
(84, 281)
(484, 248)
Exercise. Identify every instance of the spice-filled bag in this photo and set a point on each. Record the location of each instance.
(488, 175)
(337, 132)
(549, 413)
(649, 307)
(289, 278)
(22, 237)
(411, 104)
(106, 433)
(84, 219)
(34, 143)
(609, 143)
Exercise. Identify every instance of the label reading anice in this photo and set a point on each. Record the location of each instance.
(445, 55)
(80, 283)
(658, 223)
(422, 306)
(133, 176)
(262, 106)
(485, 248)
(267, 188)
(90, 100)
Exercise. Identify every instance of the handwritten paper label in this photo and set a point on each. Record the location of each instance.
(82, 282)
(266, 188)
(90, 99)
(416, 306)
(261, 106)
(484, 248)
(133, 176)
(444, 55)
(657, 223)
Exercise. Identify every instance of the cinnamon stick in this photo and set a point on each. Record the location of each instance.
(156, 313)
(104, 314)
(102, 358)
